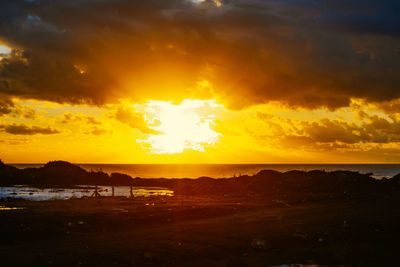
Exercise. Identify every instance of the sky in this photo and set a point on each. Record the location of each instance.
(200, 81)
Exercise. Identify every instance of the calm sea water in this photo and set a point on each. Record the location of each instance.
(227, 170)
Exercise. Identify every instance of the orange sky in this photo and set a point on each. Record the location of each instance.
(197, 131)
(199, 82)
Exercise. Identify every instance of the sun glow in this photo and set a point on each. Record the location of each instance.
(184, 126)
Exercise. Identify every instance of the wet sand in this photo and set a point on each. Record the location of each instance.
(201, 231)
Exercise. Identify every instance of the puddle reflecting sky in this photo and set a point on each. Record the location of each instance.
(37, 194)
(3, 208)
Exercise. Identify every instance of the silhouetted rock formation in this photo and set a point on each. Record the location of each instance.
(121, 179)
(60, 173)
(291, 185)
(8, 174)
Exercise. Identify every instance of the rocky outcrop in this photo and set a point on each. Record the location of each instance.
(291, 185)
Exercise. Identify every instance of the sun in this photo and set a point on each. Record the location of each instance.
(188, 125)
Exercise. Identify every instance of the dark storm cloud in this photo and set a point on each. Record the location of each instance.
(304, 53)
(22, 129)
(365, 16)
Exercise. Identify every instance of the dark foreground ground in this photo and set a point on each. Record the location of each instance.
(201, 231)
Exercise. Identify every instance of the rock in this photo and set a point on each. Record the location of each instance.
(259, 244)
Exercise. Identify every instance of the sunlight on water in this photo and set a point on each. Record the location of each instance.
(3, 208)
(37, 194)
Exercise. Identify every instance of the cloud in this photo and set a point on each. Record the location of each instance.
(344, 130)
(92, 120)
(69, 117)
(326, 131)
(376, 130)
(98, 131)
(22, 129)
(134, 120)
(5, 107)
(303, 53)
(29, 113)
(10, 108)
(363, 16)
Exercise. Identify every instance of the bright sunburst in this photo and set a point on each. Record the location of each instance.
(184, 126)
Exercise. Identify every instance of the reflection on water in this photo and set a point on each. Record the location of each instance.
(2, 208)
(30, 193)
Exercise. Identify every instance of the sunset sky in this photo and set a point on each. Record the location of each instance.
(200, 81)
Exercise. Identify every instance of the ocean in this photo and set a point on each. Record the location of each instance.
(227, 170)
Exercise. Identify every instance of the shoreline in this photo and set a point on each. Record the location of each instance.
(288, 186)
(318, 218)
